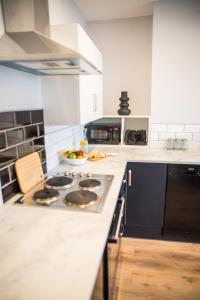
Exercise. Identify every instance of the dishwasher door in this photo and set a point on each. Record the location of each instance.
(182, 207)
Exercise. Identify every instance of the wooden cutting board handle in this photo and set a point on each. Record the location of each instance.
(29, 172)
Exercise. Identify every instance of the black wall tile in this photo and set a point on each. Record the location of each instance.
(42, 155)
(44, 167)
(37, 116)
(2, 140)
(29, 136)
(7, 120)
(41, 129)
(8, 156)
(31, 132)
(10, 190)
(4, 176)
(25, 149)
(15, 136)
(13, 173)
(38, 144)
(22, 118)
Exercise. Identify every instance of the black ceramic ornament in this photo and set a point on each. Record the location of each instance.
(124, 110)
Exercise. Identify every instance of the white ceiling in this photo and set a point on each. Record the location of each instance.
(98, 10)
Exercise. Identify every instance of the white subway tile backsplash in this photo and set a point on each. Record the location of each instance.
(196, 136)
(157, 144)
(58, 139)
(194, 145)
(161, 132)
(154, 136)
(192, 128)
(175, 127)
(166, 135)
(158, 127)
(184, 135)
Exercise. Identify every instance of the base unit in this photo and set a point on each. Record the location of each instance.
(142, 232)
(145, 199)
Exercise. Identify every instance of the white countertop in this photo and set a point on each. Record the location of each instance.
(55, 254)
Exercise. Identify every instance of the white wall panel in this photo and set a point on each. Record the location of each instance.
(176, 62)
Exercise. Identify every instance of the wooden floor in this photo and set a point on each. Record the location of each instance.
(158, 270)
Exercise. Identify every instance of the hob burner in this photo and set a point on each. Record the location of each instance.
(89, 184)
(46, 196)
(59, 183)
(81, 198)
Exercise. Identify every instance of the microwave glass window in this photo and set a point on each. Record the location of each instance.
(99, 134)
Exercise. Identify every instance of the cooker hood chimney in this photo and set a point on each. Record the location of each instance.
(26, 44)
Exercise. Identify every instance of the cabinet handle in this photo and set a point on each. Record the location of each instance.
(129, 177)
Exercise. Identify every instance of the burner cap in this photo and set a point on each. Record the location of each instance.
(89, 183)
(46, 196)
(59, 182)
(81, 198)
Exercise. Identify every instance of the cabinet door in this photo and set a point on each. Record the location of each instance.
(91, 101)
(145, 197)
(72, 100)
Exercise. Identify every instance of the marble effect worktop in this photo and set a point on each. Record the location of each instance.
(55, 254)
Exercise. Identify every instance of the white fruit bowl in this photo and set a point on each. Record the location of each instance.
(76, 161)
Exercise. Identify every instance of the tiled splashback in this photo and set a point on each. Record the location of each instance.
(21, 133)
(58, 139)
(163, 131)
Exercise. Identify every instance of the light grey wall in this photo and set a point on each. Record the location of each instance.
(126, 47)
(18, 90)
(65, 11)
(176, 62)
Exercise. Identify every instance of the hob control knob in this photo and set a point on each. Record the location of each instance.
(89, 174)
(81, 174)
(74, 174)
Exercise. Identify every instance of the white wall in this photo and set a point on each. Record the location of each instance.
(176, 62)
(18, 90)
(1, 22)
(65, 11)
(126, 48)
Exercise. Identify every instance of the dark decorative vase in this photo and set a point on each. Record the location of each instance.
(124, 110)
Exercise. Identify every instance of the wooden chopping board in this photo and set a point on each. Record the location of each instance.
(29, 172)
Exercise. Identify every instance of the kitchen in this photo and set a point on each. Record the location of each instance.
(151, 50)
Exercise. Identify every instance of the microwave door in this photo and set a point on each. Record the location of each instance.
(101, 135)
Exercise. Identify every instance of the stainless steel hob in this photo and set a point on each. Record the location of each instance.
(73, 191)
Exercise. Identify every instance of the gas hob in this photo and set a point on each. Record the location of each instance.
(70, 191)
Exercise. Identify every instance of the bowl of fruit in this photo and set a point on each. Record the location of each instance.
(75, 157)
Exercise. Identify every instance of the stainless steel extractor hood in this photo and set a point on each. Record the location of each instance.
(26, 44)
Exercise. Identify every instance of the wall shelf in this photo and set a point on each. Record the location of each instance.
(127, 117)
(131, 122)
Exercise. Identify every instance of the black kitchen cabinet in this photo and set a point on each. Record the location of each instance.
(145, 199)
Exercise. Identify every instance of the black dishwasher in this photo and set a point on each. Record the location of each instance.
(182, 207)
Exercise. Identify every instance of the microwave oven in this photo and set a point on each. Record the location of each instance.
(104, 133)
